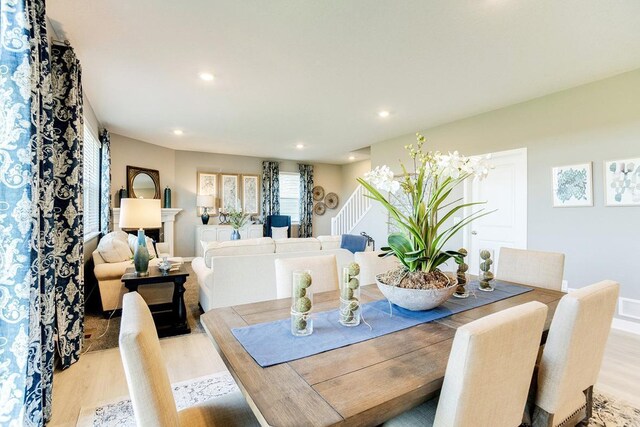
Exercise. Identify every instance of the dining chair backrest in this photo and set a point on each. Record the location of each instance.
(534, 268)
(277, 221)
(144, 367)
(573, 353)
(371, 264)
(490, 368)
(324, 273)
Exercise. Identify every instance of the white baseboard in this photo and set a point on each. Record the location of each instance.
(188, 258)
(626, 326)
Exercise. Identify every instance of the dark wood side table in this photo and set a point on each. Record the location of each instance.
(170, 319)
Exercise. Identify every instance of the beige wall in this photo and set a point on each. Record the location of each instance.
(132, 152)
(595, 122)
(179, 169)
(352, 171)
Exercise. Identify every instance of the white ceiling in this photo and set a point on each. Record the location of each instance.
(317, 72)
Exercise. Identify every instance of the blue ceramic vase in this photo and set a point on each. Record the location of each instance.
(235, 235)
(141, 257)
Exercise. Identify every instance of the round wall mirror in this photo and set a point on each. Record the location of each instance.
(143, 186)
(143, 183)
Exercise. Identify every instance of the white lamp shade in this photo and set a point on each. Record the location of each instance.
(140, 213)
(203, 201)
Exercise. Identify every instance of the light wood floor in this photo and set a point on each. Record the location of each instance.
(99, 376)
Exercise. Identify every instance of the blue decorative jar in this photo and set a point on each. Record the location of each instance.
(235, 234)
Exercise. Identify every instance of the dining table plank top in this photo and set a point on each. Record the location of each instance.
(363, 384)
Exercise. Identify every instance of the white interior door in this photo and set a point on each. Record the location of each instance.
(505, 191)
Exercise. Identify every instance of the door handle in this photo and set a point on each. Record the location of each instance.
(474, 232)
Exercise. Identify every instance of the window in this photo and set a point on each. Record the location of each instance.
(91, 181)
(290, 195)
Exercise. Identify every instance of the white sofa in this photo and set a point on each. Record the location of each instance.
(243, 271)
(112, 258)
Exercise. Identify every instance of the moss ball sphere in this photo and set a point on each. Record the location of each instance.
(463, 267)
(347, 293)
(484, 266)
(353, 304)
(354, 269)
(300, 323)
(347, 316)
(487, 275)
(463, 251)
(304, 280)
(303, 305)
(485, 254)
(299, 291)
(489, 262)
(354, 283)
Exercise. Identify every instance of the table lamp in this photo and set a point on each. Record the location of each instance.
(140, 214)
(205, 202)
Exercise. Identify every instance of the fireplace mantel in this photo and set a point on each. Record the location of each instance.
(168, 218)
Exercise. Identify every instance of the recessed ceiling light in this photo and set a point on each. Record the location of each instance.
(300, 146)
(352, 157)
(178, 132)
(383, 114)
(207, 77)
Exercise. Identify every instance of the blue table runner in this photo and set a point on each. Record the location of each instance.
(272, 343)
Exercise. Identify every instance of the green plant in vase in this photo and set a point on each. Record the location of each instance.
(423, 214)
(237, 219)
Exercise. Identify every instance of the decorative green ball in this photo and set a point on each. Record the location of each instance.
(463, 251)
(304, 280)
(489, 262)
(353, 304)
(484, 266)
(303, 305)
(354, 283)
(299, 292)
(483, 284)
(485, 254)
(300, 323)
(347, 317)
(487, 275)
(347, 293)
(354, 269)
(463, 267)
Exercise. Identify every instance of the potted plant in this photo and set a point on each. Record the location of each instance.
(420, 212)
(237, 219)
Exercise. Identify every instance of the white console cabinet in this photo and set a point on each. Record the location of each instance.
(222, 233)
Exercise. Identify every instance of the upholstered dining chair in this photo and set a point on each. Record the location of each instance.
(573, 354)
(324, 272)
(533, 268)
(277, 221)
(488, 373)
(148, 381)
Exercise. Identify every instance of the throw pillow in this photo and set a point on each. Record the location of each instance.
(113, 249)
(133, 242)
(279, 233)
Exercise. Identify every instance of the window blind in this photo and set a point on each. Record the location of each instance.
(290, 195)
(91, 181)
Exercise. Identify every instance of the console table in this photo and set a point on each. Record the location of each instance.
(222, 233)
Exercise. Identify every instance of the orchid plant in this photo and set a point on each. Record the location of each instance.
(423, 226)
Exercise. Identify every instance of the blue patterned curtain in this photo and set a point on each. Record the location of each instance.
(27, 240)
(68, 204)
(105, 182)
(270, 188)
(306, 201)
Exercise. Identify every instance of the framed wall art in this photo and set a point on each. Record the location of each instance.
(572, 185)
(622, 182)
(207, 186)
(251, 194)
(229, 192)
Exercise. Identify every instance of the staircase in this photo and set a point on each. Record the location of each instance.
(354, 209)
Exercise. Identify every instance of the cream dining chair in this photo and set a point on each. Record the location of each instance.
(533, 268)
(573, 354)
(149, 386)
(324, 273)
(488, 373)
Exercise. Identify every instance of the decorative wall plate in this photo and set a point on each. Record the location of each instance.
(331, 200)
(318, 193)
(320, 208)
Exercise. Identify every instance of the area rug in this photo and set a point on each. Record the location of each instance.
(607, 412)
(119, 413)
(102, 334)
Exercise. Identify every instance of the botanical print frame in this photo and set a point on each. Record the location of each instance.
(207, 186)
(622, 182)
(229, 192)
(572, 185)
(251, 194)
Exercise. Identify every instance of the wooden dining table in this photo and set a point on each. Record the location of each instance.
(362, 384)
